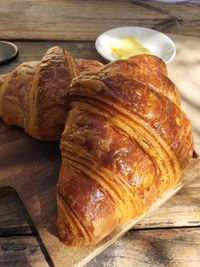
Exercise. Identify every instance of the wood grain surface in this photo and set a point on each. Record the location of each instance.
(169, 247)
(14, 220)
(137, 248)
(84, 20)
(44, 160)
(23, 251)
(168, 237)
(150, 247)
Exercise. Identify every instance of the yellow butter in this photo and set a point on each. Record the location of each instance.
(127, 47)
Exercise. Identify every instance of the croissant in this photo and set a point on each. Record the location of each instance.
(34, 95)
(126, 141)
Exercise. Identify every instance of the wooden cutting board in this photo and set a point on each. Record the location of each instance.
(31, 168)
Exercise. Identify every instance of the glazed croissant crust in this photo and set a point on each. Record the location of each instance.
(34, 95)
(126, 141)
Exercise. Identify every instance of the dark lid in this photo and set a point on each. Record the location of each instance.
(7, 51)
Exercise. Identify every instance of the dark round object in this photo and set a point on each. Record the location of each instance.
(7, 51)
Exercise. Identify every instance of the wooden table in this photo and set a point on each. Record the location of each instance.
(170, 236)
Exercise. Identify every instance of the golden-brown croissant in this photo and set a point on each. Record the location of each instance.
(34, 95)
(126, 141)
(89, 65)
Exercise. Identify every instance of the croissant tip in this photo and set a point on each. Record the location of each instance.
(67, 230)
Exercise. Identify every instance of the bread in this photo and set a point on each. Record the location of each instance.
(126, 141)
(89, 65)
(34, 95)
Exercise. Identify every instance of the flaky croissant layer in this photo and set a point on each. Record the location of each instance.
(34, 95)
(126, 141)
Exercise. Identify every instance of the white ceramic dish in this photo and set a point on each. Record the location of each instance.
(158, 43)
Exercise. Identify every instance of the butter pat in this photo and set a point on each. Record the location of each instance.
(127, 47)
